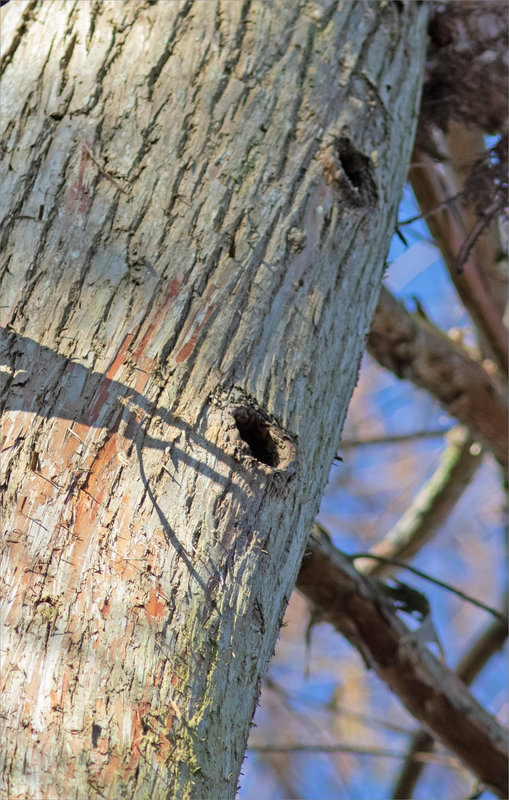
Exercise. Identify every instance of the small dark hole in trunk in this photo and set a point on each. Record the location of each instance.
(255, 431)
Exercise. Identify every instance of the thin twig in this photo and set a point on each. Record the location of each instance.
(101, 169)
(426, 214)
(336, 710)
(434, 758)
(397, 438)
(466, 248)
(402, 565)
(448, 229)
(434, 502)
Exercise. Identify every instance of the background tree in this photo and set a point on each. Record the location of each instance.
(201, 190)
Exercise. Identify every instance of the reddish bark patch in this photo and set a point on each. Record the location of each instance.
(120, 357)
(163, 741)
(174, 287)
(138, 712)
(154, 608)
(162, 310)
(189, 346)
(111, 769)
(78, 193)
(187, 349)
(104, 388)
(138, 353)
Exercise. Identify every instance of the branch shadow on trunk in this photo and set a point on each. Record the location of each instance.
(30, 372)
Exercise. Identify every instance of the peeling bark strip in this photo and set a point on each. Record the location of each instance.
(174, 385)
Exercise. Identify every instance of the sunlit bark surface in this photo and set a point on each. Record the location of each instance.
(197, 202)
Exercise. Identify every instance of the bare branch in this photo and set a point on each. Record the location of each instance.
(443, 585)
(431, 507)
(433, 183)
(415, 349)
(493, 211)
(429, 690)
(490, 640)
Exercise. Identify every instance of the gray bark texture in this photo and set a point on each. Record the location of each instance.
(197, 201)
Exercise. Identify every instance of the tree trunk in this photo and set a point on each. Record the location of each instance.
(198, 201)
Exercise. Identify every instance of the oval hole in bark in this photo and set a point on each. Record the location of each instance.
(358, 169)
(352, 162)
(255, 431)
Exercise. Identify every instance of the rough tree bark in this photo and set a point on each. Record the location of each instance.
(197, 202)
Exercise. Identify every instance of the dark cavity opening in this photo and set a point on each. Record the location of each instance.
(358, 168)
(96, 732)
(353, 162)
(255, 431)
